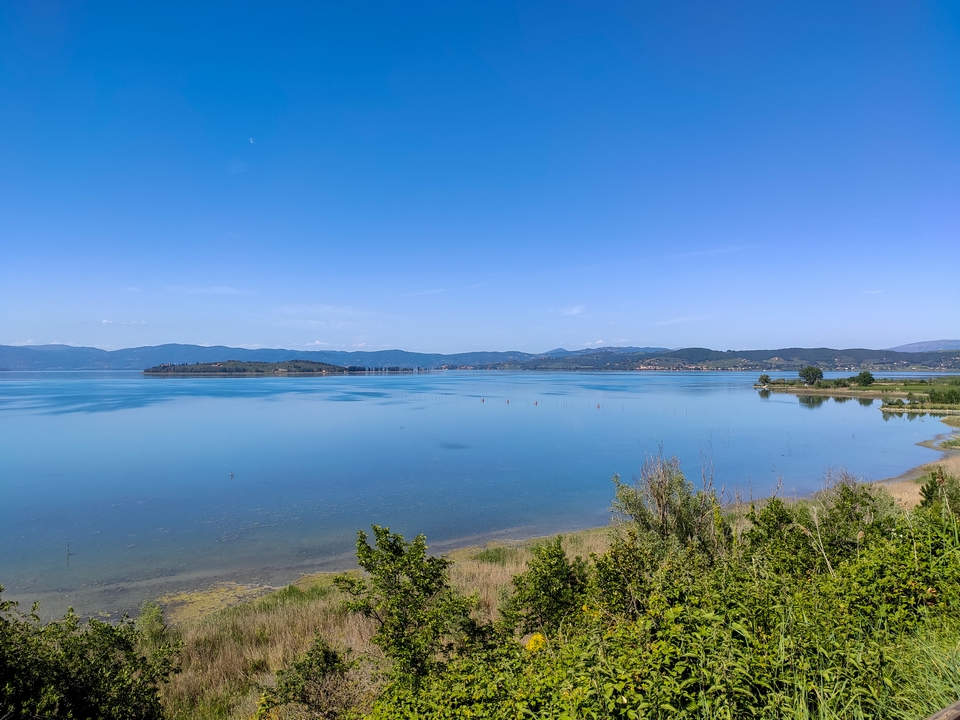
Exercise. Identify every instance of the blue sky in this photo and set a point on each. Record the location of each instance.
(459, 176)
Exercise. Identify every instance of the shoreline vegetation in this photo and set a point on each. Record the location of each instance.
(937, 396)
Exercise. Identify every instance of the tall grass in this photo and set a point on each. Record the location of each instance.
(229, 655)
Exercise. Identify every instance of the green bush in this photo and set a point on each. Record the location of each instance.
(815, 609)
(549, 592)
(319, 683)
(948, 396)
(69, 669)
(407, 593)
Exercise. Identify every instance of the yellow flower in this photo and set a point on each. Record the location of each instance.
(536, 643)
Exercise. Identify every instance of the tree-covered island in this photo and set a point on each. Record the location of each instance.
(239, 367)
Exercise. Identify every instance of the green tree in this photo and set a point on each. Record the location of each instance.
(407, 593)
(548, 592)
(763, 380)
(811, 374)
(865, 378)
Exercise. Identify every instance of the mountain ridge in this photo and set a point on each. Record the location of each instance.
(68, 357)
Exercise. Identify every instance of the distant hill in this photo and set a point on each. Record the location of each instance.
(65, 357)
(759, 360)
(68, 357)
(929, 346)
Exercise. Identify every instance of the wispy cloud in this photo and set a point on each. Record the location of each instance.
(871, 292)
(211, 290)
(573, 310)
(123, 322)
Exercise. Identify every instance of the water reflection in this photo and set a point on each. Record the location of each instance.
(812, 401)
(866, 402)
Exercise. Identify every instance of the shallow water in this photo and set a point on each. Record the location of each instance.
(116, 486)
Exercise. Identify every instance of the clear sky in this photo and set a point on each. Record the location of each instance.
(457, 176)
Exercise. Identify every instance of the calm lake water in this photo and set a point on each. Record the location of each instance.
(153, 484)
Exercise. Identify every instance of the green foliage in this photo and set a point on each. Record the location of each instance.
(763, 379)
(947, 396)
(319, 683)
(242, 367)
(68, 669)
(663, 503)
(816, 609)
(548, 592)
(497, 555)
(407, 594)
(865, 378)
(811, 374)
(941, 492)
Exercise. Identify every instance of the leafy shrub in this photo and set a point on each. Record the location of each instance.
(409, 596)
(662, 502)
(941, 492)
(320, 683)
(68, 669)
(548, 592)
(947, 396)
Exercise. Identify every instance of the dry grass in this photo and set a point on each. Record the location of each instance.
(906, 489)
(905, 492)
(231, 653)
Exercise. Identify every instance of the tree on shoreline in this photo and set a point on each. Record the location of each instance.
(811, 374)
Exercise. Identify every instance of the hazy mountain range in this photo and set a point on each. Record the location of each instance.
(67, 357)
(929, 346)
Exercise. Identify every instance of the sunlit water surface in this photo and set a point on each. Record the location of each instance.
(115, 487)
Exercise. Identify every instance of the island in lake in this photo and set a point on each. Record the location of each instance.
(239, 367)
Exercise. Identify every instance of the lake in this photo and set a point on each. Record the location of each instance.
(116, 487)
